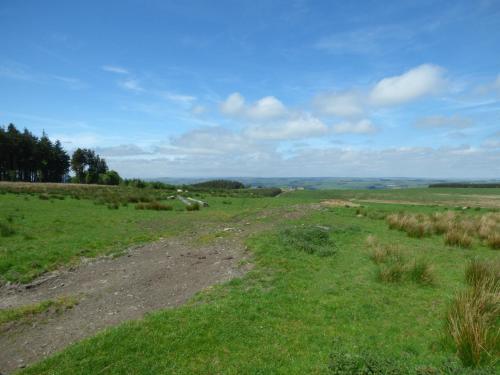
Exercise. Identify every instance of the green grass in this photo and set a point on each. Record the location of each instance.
(44, 234)
(312, 303)
(28, 312)
(293, 313)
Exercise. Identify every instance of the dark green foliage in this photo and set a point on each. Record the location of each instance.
(310, 239)
(219, 184)
(193, 207)
(90, 168)
(6, 229)
(153, 206)
(25, 157)
(109, 178)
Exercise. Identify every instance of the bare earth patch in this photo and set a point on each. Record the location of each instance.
(110, 291)
(159, 275)
(338, 203)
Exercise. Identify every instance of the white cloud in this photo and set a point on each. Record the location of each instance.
(344, 104)
(114, 69)
(364, 126)
(267, 107)
(298, 127)
(423, 80)
(443, 122)
(131, 84)
(179, 98)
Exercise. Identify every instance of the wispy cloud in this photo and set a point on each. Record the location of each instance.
(114, 69)
(131, 84)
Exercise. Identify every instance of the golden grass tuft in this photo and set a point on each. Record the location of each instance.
(456, 237)
(472, 321)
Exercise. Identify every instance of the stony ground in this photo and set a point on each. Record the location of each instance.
(159, 275)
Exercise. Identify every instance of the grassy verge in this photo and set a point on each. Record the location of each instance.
(27, 313)
(296, 312)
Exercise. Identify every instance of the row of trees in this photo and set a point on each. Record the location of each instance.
(25, 157)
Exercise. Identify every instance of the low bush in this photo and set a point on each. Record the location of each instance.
(193, 207)
(310, 239)
(44, 196)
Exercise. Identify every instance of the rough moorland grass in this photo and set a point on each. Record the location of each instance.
(393, 265)
(26, 313)
(285, 314)
(458, 229)
(309, 239)
(473, 323)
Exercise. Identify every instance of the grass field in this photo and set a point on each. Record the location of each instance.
(316, 301)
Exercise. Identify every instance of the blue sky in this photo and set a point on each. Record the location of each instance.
(260, 88)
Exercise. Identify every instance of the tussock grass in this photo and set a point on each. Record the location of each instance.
(493, 240)
(455, 237)
(394, 267)
(422, 272)
(310, 239)
(457, 229)
(473, 318)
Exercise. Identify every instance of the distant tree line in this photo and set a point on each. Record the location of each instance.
(25, 157)
(219, 184)
(465, 185)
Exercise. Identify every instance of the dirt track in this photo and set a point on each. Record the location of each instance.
(159, 275)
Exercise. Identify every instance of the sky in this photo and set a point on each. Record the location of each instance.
(260, 88)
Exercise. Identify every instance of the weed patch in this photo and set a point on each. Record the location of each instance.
(310, 239)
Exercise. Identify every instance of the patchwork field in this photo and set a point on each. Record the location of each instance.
(333, 281)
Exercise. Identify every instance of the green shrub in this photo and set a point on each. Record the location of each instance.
(193, 207)
(312, 240)
(44, 196)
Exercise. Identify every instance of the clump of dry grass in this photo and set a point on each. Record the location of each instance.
(478, 271)
(458, 229)
(456, 237)
(422, 272)
(472, 321)
(391, 273)
(393, 267)
(493, 240)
